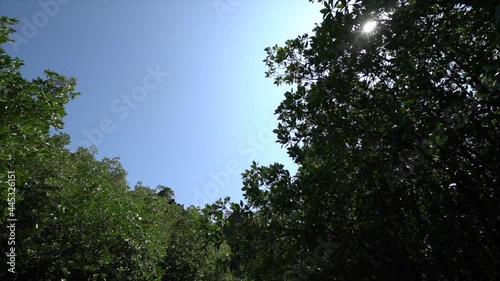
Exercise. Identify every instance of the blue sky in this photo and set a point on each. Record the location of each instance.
(176, 89)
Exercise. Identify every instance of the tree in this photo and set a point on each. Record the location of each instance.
(76, 220)
(29, 109)
(77, 217)
(396, 133)
(166, 192)
(79, 220)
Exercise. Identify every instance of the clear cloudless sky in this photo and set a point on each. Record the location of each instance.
(207, 110)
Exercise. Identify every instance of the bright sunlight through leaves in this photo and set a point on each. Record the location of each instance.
(369, 26)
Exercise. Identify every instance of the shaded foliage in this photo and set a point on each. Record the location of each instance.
(396, 135)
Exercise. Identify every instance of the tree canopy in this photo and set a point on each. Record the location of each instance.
(392, 117)
(395, 130)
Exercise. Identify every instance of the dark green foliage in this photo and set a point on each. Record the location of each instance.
(396, 134)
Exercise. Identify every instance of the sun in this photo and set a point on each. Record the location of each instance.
(369, 26)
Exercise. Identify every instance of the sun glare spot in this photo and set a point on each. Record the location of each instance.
(369, 26)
